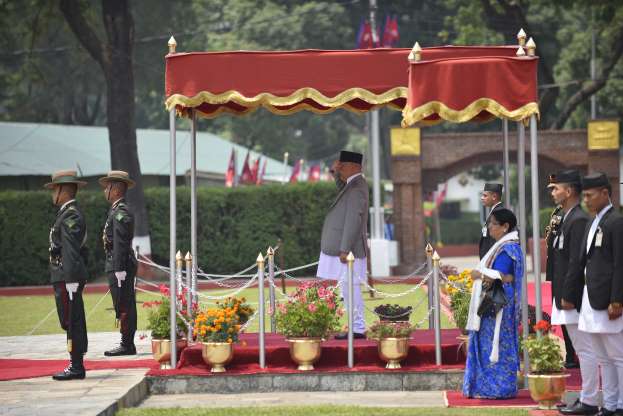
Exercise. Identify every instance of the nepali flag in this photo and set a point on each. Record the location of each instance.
(230, 175)
(255, 170)
(390, 32)
(314, 173)
(441, 195)
(260, 177)
(294, 178)
(365, 39)
(246, 177)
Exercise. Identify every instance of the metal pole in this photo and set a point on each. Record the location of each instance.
(437, 311)
(193, 205)
(593, 66)
(270, 253)
(521, 177)
(178, 272)
(429, 283)
(507, 188)
(536, 229)
(172, 236)
(351, 350)
(189, 294)
(260, 284)
(376, 177)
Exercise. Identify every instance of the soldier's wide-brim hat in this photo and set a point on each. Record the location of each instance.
(117, 176)
(65, 177)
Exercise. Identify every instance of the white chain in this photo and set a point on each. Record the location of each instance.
(397, 295)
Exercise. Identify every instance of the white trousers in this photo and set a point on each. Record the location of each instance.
(608, 349)
(589, 366)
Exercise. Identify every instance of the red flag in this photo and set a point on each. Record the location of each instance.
(366, 37)
(295, 172)
(314, 173)
(387, 33)
(394, 30)
(255, 170)
(230, 175)
(246, 176)
(441, 195)
(260, 177)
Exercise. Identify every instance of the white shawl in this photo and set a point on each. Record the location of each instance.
(473, 320)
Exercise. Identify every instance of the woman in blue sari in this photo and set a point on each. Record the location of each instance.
(493, 353)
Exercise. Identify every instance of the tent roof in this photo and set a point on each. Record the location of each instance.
(40, 149)
(286, 82)
(471, 83)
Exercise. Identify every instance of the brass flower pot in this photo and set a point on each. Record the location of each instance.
(393, 350)
(161, 350)
(217, 355)
(547, 389)
(305, 351)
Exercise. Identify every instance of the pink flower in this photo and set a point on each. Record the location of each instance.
(282, 308)
(312, 307)
(270, 311)
(330, 305)
(340, 312)
(164, 290)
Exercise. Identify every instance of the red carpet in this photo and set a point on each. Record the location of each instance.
(333, 359)
(18, 368)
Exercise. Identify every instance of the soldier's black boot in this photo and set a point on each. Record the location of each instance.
(74, 371)
(122, 349)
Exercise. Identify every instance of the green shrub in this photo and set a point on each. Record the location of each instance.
(234, 225)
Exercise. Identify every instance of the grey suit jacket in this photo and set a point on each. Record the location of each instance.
(345, 226)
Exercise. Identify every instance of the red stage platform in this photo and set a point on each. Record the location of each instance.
(334, 356)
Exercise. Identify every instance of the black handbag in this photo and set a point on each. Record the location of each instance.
(492, 299)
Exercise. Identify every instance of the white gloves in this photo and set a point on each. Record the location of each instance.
(120, 277)
(71, 289)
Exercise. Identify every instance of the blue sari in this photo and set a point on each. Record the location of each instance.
(484, 379)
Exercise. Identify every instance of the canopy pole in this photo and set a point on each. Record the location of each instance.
(193, 203)
(521, 175)
(507, 189)
(536, 229)
(172, 238)
(377, 231)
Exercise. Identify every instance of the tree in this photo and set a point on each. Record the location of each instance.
(114, 57)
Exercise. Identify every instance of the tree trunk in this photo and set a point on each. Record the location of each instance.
(115, 59)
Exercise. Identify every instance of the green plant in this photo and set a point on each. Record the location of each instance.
(395, 312)
(543, 351)
(243, 310)
(384, 329)
(459, 303)
(159, 317)
(218, 324)
(311, 311)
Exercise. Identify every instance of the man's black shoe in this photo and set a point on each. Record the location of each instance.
(571, 364)
(606, 412)
(579, 408)
(563, 405)
(121, 350)
(70, 373)
(356, 335)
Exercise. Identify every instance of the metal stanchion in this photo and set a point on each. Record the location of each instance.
(437, 311)
(270, 253)
(260, 283)
(179, 263)
(429, 284)
(172, 227)
(351, 352)
(189, 295)
(193, 204)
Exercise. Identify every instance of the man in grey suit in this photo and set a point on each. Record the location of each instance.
(345, 230)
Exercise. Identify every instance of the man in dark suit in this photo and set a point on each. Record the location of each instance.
(601, 257)
(491, 198)
(563, 264)
(68, 268)
(120, 264)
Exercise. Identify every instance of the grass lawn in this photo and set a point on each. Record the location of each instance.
(323, 410)
(101, 317)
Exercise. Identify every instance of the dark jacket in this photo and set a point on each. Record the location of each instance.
(566, 260)
(486, 241)
(117, 238)
(67, 252)
(604, 264)
(551, 231)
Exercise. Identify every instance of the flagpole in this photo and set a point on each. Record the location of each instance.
(285, 167)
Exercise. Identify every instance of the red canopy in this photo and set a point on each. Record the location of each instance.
(460, 84)
(286, 82)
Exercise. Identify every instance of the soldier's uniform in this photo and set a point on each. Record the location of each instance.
(601, 257)
(486, 241)
(117, 239)
(68, 274)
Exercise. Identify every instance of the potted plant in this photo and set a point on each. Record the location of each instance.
(393, 313)
(393, 341)
(243, 309)
(546, 379)
(159, 322)
(305, 319)
(459, 289)
(218, 329)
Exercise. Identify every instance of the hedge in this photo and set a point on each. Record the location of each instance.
(233, 226)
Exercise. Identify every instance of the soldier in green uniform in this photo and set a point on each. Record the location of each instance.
(120, 264)
(68, 268)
